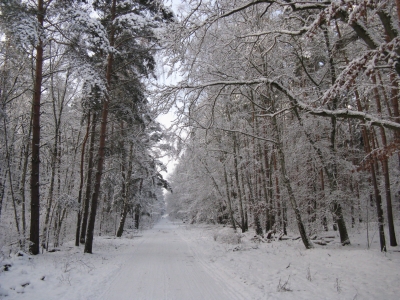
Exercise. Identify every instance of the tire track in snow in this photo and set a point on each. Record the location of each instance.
(236, 288)
(164, 266)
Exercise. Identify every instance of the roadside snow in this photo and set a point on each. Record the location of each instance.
(64, 274)
(178, 261)
(286, 270)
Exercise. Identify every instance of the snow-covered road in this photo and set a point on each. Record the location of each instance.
(164, 266)
(204, 261)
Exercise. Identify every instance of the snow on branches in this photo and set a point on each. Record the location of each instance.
(95, 33)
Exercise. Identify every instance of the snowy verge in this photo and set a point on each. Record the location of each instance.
(67, 273)
(251, 268)
(286, 270)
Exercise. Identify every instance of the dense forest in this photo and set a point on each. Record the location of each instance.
(79, 144)
(289, 116)
(286, 117)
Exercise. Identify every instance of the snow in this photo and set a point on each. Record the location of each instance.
(180, 261)
(325, 272)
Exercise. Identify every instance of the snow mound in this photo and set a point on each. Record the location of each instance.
(227, 236)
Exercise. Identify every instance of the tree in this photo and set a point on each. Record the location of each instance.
(130, 28)
(314, 58)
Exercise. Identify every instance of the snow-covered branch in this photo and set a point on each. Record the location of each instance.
(339, 113)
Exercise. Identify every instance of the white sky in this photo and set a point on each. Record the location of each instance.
(167, 119)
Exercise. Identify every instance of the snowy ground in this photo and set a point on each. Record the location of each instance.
(178, 261)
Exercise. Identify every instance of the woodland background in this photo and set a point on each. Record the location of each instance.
(287, 117)
(291, 116)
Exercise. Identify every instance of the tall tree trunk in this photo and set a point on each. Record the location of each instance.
(352, 207)
(236, 174)
(332, 175)
(229, 199)
(138, 207)
(35, 168)
(59, 204)
(125, 188)
(51, 188)
(254, 206)
(385, 168)
(281, 206)
(88, 190)
(286, 182)
(324, 218)
(137, 215)
(3, 97)
(10, 179)
(331, 172)
(267, 174)
(245, 196)
(60, 219)
(23, 178)
(2, 187)
(235, 162)
(102, 142)
(79, 215)
(247, 179)
(378, 199)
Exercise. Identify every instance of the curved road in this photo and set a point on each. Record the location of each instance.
(163, 266)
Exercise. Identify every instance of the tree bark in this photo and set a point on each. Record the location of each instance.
(286, 182)
(102, 142)
(137, 216)
(10, 179)
(235, 162)
(35, 166)
(125, 188)
(23, 178)
(2, 188)
(378, 200)
(79, 215)
(51, 188)
(88, 190)
(332, 175)
(229, 199)
(385, 168)
(255, 209)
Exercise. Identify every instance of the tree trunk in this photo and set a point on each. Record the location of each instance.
(229, 199)
(102, 143)
(35, 168)
(255, 209)
(100, 164)
(23, 178)
(125, 188)
(245, 196)
(281, 207)
(60, 219)
(10, 179)
(247, 181)
(385, 168)
(137, 216)
(332, 174)
(51, 188)
(79, 215)
(2, 188)
(286, 182)
(378, 200)
(88, 191)
(235, 162)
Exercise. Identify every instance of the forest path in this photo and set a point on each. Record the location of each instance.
(165, 266)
